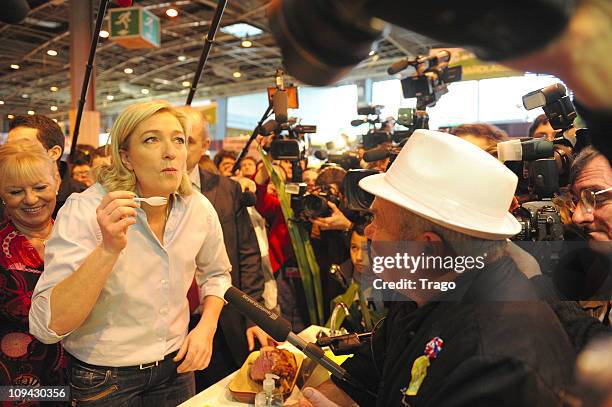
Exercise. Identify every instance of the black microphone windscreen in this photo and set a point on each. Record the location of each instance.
(358, 122)
(274, 325)
(321, 154)
(376, 154)
(14, 11)
(280, 102)
(247, 199)
(398, 66)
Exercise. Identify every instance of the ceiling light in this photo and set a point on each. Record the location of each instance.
(52, 52)
(372, 53)
(10, 117)
(53, 108)
(186, 84)
(25, 96)
(110, 97)
(31, 112)
(246, 43)
(1, 102)
(128, 71)
(15, 66)
(53, 88)
(104, 34)
(237, 74)
(181, 58)
(172, 12)
(55, 120)
(242, 30)
(144, 91)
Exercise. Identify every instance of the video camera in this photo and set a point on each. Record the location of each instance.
(288, 135)
(288, 143)
(430, 80)
(347, 160)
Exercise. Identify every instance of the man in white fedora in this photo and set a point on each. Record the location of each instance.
(474, 332)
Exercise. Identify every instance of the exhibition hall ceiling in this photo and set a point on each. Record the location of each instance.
(40, 48)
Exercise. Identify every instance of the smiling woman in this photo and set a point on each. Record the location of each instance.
(28, 186)
(121, 269)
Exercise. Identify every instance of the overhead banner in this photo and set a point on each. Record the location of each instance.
(474, 68)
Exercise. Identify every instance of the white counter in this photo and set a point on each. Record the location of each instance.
(218, 395)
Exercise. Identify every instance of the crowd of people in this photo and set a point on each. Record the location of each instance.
(114, 278)
(114, 266)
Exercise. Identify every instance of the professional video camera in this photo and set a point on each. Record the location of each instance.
(430, 80)
(288, 143)
(376, 135)
(357, 202)
(347, 160)
(288, 134)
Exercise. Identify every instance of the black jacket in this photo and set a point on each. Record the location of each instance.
(243, 252)
(67, 186)
(510, 353)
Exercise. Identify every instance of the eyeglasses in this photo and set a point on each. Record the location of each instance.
(589, 199)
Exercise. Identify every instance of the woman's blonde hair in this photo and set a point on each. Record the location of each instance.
(24, 161)
(116, 176)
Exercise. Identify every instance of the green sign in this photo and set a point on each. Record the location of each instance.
(124, 22)
(135, 27)
(150, 27)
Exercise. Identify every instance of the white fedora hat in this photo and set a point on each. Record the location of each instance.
(452, 183)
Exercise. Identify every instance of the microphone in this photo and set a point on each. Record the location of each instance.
(280, 102)
(280, 329)
(268, 127)
(376, 154)
(14, 11)
(247, 199)
(399, 66)
(358, 122)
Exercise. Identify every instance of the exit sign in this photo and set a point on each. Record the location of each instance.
(135, 27)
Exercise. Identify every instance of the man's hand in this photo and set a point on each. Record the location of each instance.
(197, 349)
(115, 214)
(336, 221)
(263, 338)
(314, 398)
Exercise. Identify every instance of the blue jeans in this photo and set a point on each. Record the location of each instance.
(130, 386)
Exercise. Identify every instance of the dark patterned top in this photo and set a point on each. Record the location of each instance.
(24, 361)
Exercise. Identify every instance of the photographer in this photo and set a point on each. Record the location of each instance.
(483, 135)
(586, 275)
(330, 179)
(330, 235)
(541, 128)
